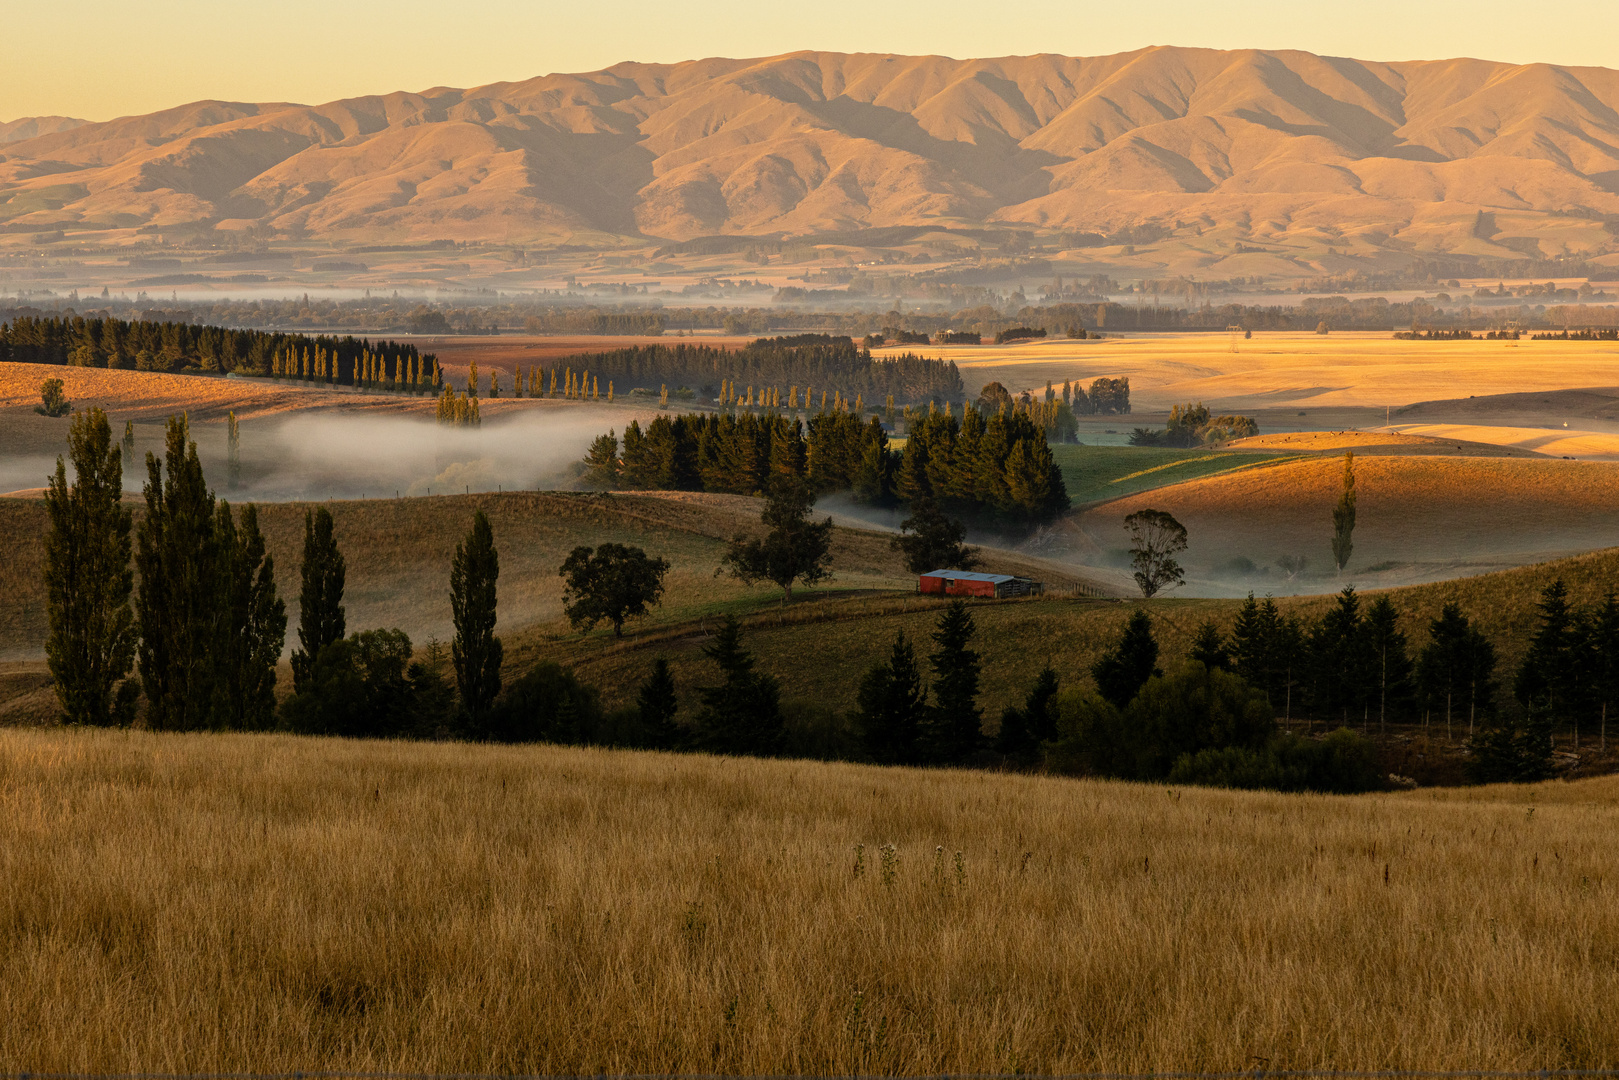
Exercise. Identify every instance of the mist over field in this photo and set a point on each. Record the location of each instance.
(319, 456)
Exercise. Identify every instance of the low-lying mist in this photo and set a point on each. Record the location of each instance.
(310, 457)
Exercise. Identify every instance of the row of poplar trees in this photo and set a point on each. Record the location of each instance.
(205, 629)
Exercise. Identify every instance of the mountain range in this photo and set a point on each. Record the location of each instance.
(1449, 155)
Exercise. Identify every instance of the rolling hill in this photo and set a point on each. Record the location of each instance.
(1462, 155)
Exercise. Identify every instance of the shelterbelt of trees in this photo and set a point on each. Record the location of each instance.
(996, 468)
(183, 347)
(806, 362)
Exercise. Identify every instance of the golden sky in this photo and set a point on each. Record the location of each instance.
(98, 59)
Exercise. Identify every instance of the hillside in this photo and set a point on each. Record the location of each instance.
(1276, 146)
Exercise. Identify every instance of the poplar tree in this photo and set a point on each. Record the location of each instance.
(476, 651)
(472, 379)
(321, 618)
(233, 452)
(176, 558)
(129, 442)
(252, 625)
(1343, 516)
(88, 580)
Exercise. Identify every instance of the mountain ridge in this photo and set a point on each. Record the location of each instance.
(1276, 145)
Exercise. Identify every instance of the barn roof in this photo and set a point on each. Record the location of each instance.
(969, 575)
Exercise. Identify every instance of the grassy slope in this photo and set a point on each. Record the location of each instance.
(234, 903)
(1096, 473)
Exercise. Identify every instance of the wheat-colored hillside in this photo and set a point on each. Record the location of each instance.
(235, 904)
(1282, 147)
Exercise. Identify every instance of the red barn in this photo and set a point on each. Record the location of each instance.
(968, 583)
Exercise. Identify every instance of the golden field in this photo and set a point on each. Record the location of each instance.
(1290, 371)
(268, 903)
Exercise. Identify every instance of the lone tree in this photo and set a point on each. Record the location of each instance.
(320, 602)
(475, 651)
(614, 582)
(52, 401)
(893, 707)
(795, 549)
(1155, 539)
(1343, 516)
(88, 580)
(932, 541)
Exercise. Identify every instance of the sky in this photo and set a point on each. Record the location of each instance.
(97, 59)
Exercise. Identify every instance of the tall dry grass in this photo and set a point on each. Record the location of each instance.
(236, 903)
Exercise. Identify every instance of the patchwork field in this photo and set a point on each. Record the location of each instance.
(235, 903)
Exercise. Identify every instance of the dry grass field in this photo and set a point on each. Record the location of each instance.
(1275, 370)
(1420, 517)
(230, 904)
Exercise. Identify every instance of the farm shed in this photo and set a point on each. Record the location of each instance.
(968, 583)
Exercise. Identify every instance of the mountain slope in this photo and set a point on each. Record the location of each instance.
(1263, 145)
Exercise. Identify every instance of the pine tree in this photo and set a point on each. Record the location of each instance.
(1209, 648)
(88, 581)
(893, 707)
(1025, 728)
(475, 650)
(1547, 680)
(954, 724)
(1391, 660)
(177, 561)
(251, 625)
(1343, 516)
(1123, 670)
(1602, 663)
(658, 704)
(321, 617)
(1341, 659)
(742, 714)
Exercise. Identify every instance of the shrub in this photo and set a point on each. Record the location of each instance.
(1342, 762)
(52, 400)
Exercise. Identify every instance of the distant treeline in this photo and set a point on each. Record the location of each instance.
(183, 347)
(999, 468)
(806, 362)
(1459, 335)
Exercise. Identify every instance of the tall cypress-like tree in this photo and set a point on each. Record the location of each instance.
(893, 707)
(955, 723)
(321, 618)
(176, 557)
(252, 624)
(476, 651)
(1343, 516)
(88, 579)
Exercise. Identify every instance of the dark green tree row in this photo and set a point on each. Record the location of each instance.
(997, 468)
(206, 629)
(796, 366)
(182, 347)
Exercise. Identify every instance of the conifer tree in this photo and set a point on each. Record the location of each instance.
(1208, 647)
(321, 617)
(1601, 656)
(1547, 680)
(893, 707)
(177, 561)
(251, 625)
(1123, 670)
(1391, 666)
(658, 703)
(88, 581)
(954, 728)
(475, 651)
(1025, 728)
(742, 713)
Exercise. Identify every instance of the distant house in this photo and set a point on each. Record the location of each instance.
(968, 583)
